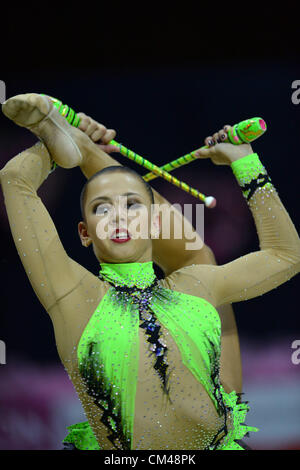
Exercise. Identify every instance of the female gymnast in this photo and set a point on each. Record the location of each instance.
(143, 354)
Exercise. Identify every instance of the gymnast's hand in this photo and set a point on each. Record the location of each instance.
(221, 151)
(98, 133)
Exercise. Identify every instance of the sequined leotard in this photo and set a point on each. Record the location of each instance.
(71, 295)
(150, 358)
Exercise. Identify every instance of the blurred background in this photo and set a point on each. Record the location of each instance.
(164, 81)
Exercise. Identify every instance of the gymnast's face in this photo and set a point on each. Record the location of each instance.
(119, 222)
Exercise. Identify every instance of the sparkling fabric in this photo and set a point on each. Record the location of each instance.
(176, 396)
(251, 174)
(108, 355)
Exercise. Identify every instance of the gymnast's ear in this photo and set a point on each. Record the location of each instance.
(83, 234)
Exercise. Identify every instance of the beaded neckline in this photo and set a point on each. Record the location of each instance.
(140, 275)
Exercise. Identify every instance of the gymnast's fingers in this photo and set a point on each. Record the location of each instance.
(109, 135)
(109, 148)
(209, 141)
(84, 121)
(222, 136)
(206, 152)
(94, 126)
(97, 134)
(216, 138)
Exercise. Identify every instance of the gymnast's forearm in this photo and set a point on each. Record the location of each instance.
(41, 252)
(278, 259)
(32, 166)
(95, 159)
(31, 226)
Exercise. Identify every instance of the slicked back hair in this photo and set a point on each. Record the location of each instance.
(113, 169)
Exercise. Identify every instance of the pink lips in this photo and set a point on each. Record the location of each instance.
(120, 240)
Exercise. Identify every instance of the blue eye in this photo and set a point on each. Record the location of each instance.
(101, 209)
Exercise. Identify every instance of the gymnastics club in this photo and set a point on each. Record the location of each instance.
(74, 120)
(243, 132)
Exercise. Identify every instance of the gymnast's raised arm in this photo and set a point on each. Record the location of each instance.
(279, 256)
(52, 273)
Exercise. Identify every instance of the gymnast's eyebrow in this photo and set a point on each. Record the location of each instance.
(106, 198)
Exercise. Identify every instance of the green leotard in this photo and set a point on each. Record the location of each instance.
(108, 353)
(170, 395)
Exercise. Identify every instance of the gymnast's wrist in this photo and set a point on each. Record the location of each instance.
(250, 174)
